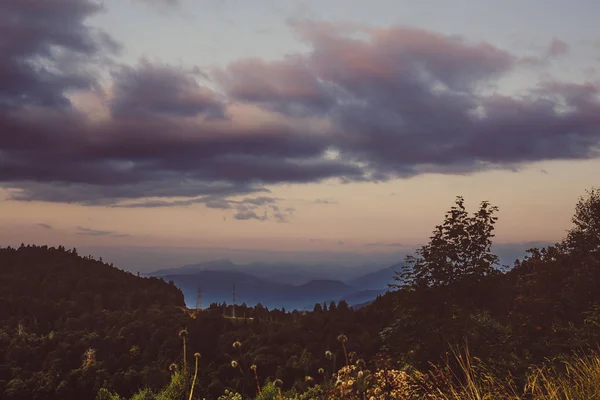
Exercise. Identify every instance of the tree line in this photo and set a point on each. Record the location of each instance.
(71, 325)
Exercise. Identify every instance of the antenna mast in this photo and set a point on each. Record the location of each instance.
(233, 312)
(198, 298)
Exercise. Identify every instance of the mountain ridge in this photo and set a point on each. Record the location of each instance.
(218, 286)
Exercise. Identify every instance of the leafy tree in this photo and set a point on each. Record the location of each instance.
(585, 235)
(459, 248)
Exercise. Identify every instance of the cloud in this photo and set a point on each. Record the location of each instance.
(249, 214)
(407, 102)
(289, 86)
(155, 90)
(93, 232)
(45, 50)
(384, 244)
(45, 226)
(151, 144)
(325, 201)
(390, 103)
(162, 4)
(557, 48)
(282, 215)
(244, 209)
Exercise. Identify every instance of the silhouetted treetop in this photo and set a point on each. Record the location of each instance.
(459, 248)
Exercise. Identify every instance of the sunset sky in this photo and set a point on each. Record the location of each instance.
(326, 127)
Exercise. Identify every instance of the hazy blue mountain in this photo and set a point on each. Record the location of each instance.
(278, 285)
(360, 305)
(289, 285)
(376, 280)
(362, 296)
(294, 274)
(217, 286)
(218, 265)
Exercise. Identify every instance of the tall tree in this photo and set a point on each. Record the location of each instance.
(460, 247)
(585, 234)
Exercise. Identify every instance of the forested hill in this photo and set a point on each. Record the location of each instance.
(71, 325)
(53, 282)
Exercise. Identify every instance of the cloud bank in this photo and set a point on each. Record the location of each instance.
(388, 103)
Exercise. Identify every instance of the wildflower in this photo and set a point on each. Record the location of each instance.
(197, 357)
(258, 391)
(328, 355)
(183, 334)
(352, 356)
(278, 383)
(237, 344)
(321, 371)
(234, 364)
(343, 339)
(173, 367)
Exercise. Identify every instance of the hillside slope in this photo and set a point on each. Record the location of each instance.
(70, 323)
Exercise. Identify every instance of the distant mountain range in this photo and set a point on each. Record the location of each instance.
(294, 286)
(281, 285)
(294, 274)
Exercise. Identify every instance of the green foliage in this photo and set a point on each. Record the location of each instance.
(230, 395)
(268, 392)
(146, 394)
(176, 389)
(104, 394)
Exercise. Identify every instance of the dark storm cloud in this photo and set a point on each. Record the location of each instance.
(400, 102)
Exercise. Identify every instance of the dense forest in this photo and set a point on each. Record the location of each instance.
(75, 327)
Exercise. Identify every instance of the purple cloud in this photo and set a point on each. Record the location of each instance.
(397, 102)
(154, 90)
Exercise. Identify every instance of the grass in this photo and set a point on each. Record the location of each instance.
(575, 377)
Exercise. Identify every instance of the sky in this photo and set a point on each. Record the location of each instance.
(166, 131)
